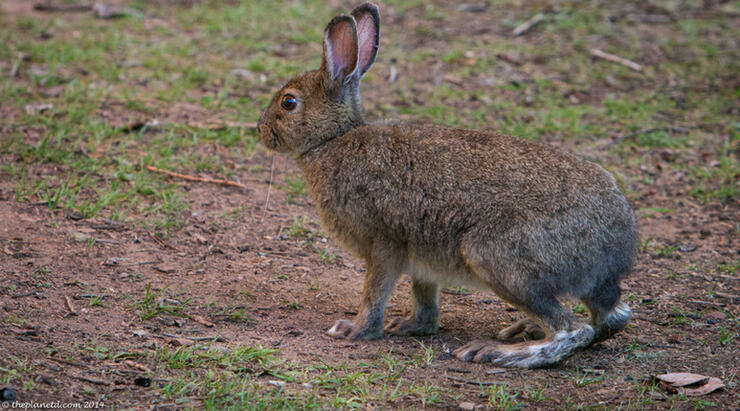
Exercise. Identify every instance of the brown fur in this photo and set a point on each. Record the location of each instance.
(455, 207)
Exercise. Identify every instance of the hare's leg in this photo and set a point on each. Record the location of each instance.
(608, 314)
(382, 273)
(424, 318)
(564, 334)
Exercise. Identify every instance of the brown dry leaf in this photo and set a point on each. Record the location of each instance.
(136, 365)
(55, 91)
(680, 382)
(202, 321)
(179, 342)
(38, 108)
(712, 385)
(682, 379)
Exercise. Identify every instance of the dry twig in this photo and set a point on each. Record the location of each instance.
(730, 297)
(616, 59)
(16, 66)
(91, 380)
(71, 309)
(527, 25)
(196, 178)
(49, 6)
(161, 242)
(473, 382)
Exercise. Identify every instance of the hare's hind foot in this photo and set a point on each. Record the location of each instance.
(532, 354)
(525, 329)
(347, 329)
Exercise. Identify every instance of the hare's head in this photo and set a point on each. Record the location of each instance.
(320, 105)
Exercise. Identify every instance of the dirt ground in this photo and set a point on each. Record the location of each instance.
(47, 261)
(252, 272)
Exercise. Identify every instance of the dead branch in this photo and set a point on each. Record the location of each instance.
(161, 242)
(473, 382)
(730, 297)
(91, 380)
(196, 178)
(699, 302)
(71, 309)
(49, 6)
(16, 65)
(221, 126)
(217, 338)
(616, 59)
(527, 25)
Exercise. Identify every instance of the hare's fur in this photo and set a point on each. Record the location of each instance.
(455, 207)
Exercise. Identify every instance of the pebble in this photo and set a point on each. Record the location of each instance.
(7, 394)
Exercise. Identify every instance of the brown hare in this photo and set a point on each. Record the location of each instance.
(454, 207)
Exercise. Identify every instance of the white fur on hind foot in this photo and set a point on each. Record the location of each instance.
(528, 355)
(618, 317)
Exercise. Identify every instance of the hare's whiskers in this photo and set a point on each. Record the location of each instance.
(269, 189)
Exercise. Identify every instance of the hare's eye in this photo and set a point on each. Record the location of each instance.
(289, 102)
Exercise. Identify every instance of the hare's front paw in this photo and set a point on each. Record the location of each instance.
(410, 326)
(347, 329)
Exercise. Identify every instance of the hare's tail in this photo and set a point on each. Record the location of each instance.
(614, 321)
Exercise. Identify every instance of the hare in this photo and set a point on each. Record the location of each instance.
(454, 207)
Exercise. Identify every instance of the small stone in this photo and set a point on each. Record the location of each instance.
(466, 406)
(7, 394)
(143, 381)
(79, 236)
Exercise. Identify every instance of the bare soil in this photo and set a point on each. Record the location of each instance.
(46, 260)
(236, 251)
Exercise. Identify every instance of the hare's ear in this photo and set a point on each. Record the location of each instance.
(368, 35)
(340, 52)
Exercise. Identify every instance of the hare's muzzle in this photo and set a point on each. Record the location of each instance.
(265, 133)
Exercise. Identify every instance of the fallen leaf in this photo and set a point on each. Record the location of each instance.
(55, 91)
(38, 108)
(692, 385)
(682, 379)
(712, 385)
(202, 321)
(178, 342)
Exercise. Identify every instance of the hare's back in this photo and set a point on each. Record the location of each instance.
(488, 163)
